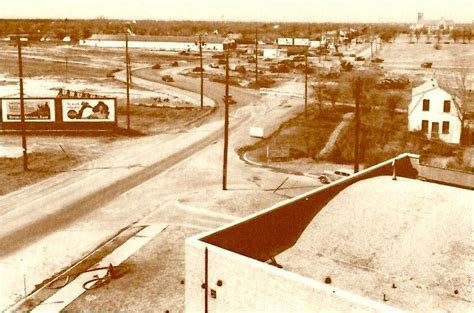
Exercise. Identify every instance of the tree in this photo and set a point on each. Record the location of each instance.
(392, 102)
(458, 87)
(417, 34)
(319, 92)
(455, 34)
(333, 92)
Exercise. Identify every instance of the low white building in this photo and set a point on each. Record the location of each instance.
(432, 110)
(167, 43)
(274, 52)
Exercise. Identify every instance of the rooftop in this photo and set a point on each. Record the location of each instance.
(406, 239)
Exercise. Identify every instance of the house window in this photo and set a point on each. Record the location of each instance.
(424, 126)
(445, 128)
(426, 104)
(447, 106)
(435, 129)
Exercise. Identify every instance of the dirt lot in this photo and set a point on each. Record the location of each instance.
(403, 57)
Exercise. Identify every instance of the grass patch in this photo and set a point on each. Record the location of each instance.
(303, 137)
(41, 165)
(153, 120)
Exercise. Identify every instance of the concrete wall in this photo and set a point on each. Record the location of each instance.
(447, 176)
(435, 114)
(252, 286)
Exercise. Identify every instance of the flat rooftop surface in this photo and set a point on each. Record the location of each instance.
(407, 241)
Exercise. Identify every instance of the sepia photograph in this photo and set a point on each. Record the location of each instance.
(236, 156)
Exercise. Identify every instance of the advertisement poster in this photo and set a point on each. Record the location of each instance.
(36, 110)
(88, 110)
(301, 42)
(285, 41)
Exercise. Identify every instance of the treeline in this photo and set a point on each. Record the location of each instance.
(78, 29)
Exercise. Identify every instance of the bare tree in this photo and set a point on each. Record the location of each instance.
(392, 102)
(417, 34)
(333, 93)
(319, 92)
(458, 87)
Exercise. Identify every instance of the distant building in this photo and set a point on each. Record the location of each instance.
(432, 25)
(167, 43)
(432, 111)
(272, 52)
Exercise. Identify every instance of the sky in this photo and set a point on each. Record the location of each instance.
(405, 11)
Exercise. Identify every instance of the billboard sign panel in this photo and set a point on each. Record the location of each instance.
(285, 41)
(88, 110)
(36, 110)
(301, 42)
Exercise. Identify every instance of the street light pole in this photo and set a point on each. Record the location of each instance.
(256, 57)
(22, 106)
(226, 122)
(127, 64)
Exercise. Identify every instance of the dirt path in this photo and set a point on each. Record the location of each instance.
(326, 151)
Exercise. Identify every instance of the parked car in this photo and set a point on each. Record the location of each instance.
(426, 64)
(359, 58)
(184, 53)
(377, 60)
(167, 78)
(198, 69)
(328, 177)
(230, 101)
(213, 65)
(157, 66)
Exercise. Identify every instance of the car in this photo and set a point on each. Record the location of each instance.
(426, 64)
(167, 78)
(359, 58)
(184, 53)
(377, 60)
(328, 177)
(198, 69)
(231, 100)
(213, 65)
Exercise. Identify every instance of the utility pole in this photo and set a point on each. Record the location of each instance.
(200, 43)
(22, 105)
(226, 122)
(256, 57)
(306, 100)
(357, 93)
(371, 48)
(127, 64)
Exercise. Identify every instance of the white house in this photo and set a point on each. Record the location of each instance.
(432, 110)
(167, 43)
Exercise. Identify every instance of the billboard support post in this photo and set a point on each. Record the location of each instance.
(22, 106)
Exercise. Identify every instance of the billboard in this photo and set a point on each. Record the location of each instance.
(301, 42)
(285, 41)
(36, 110)
(88, 110)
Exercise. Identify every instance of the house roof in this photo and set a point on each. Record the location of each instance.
(190, 39)
(425, 87)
